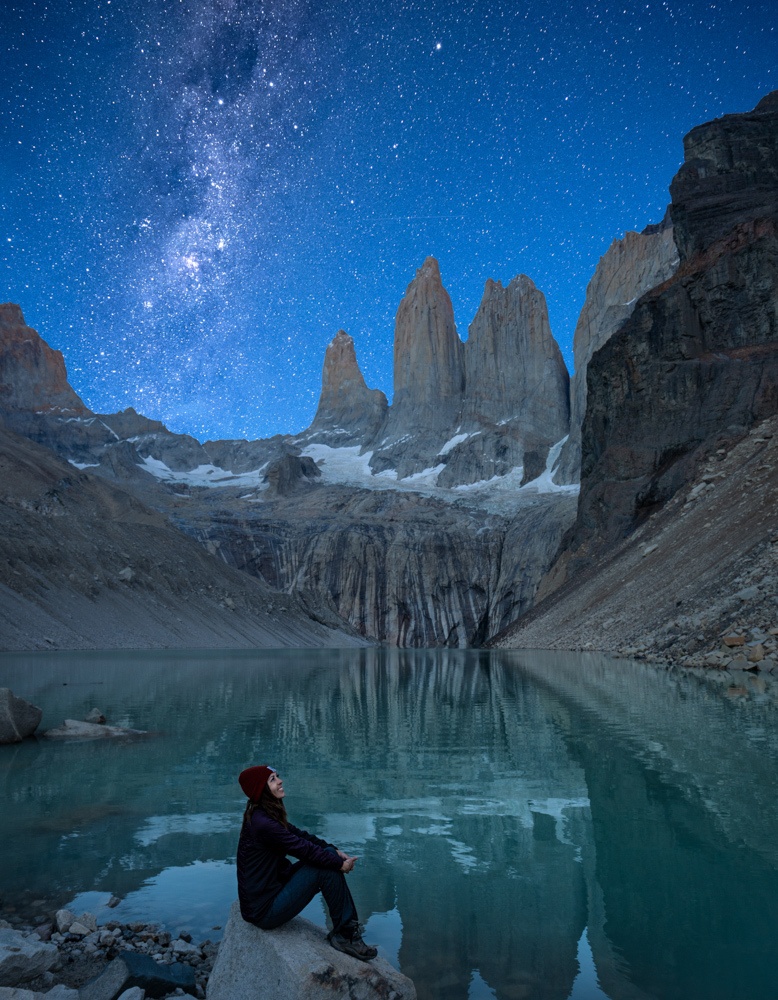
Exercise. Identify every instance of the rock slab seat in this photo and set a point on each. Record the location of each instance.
(23, 958)
(18, 718)
(296, 962)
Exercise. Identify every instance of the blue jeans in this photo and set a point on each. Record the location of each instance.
(302, 885)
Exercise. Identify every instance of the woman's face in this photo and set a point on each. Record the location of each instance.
(276, 786)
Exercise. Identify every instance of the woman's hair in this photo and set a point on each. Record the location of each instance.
(270, 805)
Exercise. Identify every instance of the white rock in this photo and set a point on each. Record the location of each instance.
(88, 920)
(185, 948)
(78, 928)
(296, 960)
(60, 992)
(23, 958)
(64, 918)
(134, 993)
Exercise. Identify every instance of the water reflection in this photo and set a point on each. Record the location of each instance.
(528, 826)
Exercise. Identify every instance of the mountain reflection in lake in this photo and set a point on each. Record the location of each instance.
(529, 825)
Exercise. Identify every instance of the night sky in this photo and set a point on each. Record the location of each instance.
(196, 194)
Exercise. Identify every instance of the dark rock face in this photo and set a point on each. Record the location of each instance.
(697, 362)
(32, 375)
(348, 412)
(289, 472)
(631, 267)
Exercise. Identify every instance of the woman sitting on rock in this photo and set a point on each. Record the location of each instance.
(271, 889)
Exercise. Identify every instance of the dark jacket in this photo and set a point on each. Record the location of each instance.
(263, 868)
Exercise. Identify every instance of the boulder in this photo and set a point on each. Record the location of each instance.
(130, 970)
(18, 718)
(296, 962)
(96, 715)
(23, 958)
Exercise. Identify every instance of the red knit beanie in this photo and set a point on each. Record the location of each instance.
(254, 779)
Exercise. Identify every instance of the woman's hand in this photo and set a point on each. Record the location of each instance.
(348, 863)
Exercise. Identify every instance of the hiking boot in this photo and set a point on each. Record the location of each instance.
(352, 944)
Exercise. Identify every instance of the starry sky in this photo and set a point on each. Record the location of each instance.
(196, 194)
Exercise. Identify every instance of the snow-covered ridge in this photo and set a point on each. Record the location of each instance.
(347, 466)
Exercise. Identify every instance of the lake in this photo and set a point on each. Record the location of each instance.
(529, 825)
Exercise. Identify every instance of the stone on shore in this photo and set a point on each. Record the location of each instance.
(23, 958)
(18, 718)
(60, 992)
(296, 962)
(131, 969)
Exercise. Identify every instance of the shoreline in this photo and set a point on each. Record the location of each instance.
(83, 957)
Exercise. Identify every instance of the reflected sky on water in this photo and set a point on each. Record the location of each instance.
(529, 825)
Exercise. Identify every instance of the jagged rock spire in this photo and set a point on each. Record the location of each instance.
(348, 410)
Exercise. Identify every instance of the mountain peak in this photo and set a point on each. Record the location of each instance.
(32, 375)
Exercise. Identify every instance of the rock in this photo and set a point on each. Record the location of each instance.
(63, 919)
(734, 640)
(78, 928)
(631, 267)
(73, 729)
(428, 372)
(297, 961)
(134, 993)
(185, 948)
(697, 360)
(18, 718)
(126, 575)
(32, 375)
(23, 958)
(747, 593)
(288, 472)
(131, 969)
(348, 412)
(95, 716)
(756, 655)
(59, 992)
(113, 902)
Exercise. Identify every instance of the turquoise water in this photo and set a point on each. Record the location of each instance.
(528, 825)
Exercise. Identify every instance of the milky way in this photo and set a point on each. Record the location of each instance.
(195, 196)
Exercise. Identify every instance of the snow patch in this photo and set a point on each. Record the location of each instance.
(203, 475)
(454, 441)
(84, 465)
(427, 477)
(545, 481)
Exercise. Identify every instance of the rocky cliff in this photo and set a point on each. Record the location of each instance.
(673, 391)
(428, 378)
(348, 412)
(86, 564)
(32, 375)
(464, 413)
(631, 267)
(405, 563)
(515, 400)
